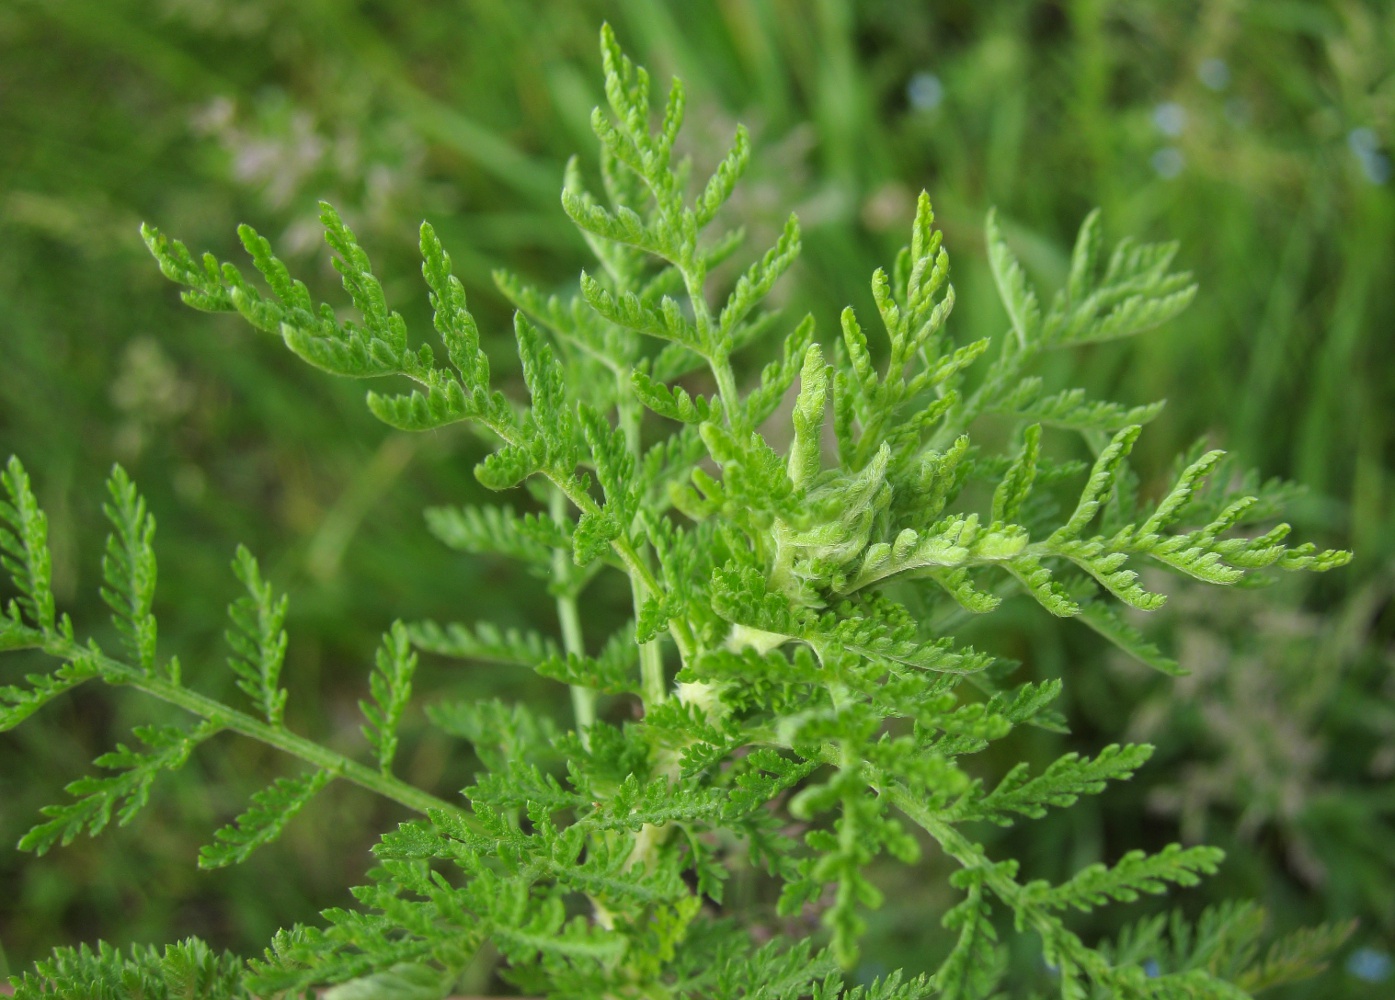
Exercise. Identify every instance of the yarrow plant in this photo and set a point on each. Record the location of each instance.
(794, 577)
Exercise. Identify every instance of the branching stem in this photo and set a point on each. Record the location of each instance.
(117, 672)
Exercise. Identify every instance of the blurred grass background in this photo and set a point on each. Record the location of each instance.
(1257, 133)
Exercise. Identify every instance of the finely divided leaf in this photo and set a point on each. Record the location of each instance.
(614, 671)
(452, 318)
(624, 225)
(129, 569)
(1039, 582)
(976, 962)
(500, 733)
(951, 544)
(485, 642)
(805, 461)
(442, 402)
(665, 321)
(1134, 873)
(1109, 623)
(124, 793)
(1058, 786)
(1298, 956)
(351, 261)
(1101, 482)
(18, 703)
(1018, 298)
(760, 278)
(1136, 292)
(202, 279)
(271, 809)
(614, 464)
(551, 419)
(723, 180)
(777, 376)
(673, 401)
(14, 634)
(1016, 484)
(258, 638)
(529, 538)
(403, 981)
(183, 971)
(391, 687)
(1070, 409)
(24, 548)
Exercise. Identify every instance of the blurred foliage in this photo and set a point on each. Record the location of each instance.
(1257, 133)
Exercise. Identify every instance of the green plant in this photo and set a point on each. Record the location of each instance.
(791, 647)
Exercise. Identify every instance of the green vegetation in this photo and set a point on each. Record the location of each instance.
(1258, 747)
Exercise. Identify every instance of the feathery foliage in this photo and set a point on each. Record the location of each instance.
(177, 972)
(779, 671)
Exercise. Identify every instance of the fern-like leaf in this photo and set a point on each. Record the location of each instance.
(1064, 781)
(528, 538)
(612, 672)
(391, 687)
(1134, 873)
(1301, 955)
(183, 971)
(18, 703)
(271, 809)
(258, 638)
(24, 551)
(976, 962)
(485, 642)
(1109, 623)
(1018, 297)
(124, 793)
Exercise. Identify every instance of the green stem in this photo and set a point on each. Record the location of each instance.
(583, 698)
(726, 389)
(653, 685)
(630, 413)
(116, 672)
(679, 628)
(717, 358)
